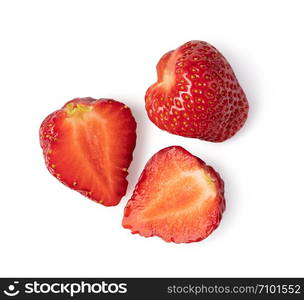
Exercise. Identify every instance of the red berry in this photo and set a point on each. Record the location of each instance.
(88, 146)
(197, 94)
(178, 198)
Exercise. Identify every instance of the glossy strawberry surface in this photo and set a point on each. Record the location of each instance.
(197, 94)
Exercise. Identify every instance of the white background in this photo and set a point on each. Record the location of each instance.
(54, 51)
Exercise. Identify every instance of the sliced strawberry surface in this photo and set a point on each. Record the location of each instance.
(178, 198)
(88, 146)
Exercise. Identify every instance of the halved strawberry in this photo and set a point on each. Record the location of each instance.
(178, 198)
(88, 146)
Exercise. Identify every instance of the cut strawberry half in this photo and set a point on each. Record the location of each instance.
(178, 198)
(88, 146)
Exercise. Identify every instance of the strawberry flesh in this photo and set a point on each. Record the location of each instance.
(88, 146)
(178, 198)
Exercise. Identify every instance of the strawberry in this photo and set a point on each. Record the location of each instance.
(88, 146)
(178, 198)
(197, 94)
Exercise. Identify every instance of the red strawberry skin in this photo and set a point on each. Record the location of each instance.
(88, 146)
(197, 94)
(178, 198)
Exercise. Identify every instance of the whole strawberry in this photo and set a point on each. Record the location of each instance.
(197, 94)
